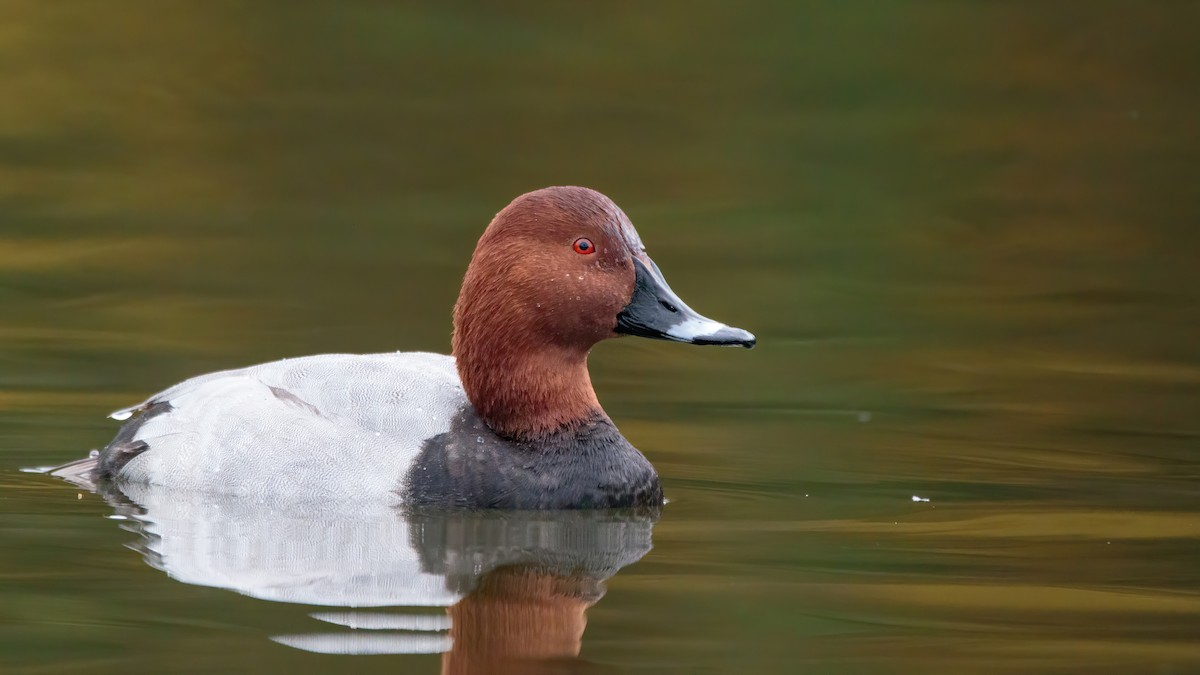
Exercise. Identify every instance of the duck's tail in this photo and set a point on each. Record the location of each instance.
(81, 472)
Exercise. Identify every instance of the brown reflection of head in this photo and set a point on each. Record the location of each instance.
(522, 620)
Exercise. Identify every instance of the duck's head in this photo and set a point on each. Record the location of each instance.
(557, 271)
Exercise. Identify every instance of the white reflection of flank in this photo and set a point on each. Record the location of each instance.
(381, 621)
(317, 553)
(305, 553)
(367, 643)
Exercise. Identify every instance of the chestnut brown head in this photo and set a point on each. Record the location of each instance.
(556, 264)
(557, 271)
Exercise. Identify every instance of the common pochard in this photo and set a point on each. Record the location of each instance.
(509, 421)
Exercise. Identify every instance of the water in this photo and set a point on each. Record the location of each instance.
(964, 233)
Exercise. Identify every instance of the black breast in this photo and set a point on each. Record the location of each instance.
(592, 467)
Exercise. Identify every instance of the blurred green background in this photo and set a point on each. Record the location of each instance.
(965, 234)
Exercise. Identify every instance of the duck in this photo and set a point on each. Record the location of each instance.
(508, 420)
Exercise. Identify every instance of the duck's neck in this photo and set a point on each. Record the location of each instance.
(526, 392)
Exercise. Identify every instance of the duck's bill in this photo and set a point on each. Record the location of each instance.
(655, 311)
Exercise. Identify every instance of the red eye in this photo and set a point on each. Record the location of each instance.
(585, 246)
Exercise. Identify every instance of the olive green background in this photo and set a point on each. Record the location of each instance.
(965, 233)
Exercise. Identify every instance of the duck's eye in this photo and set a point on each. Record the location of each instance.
(584, 246)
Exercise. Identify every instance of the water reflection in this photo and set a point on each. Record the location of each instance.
(514, 588)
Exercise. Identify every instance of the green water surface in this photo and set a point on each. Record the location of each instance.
(966, 234)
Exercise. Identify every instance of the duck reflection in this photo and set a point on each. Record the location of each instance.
(493, 592)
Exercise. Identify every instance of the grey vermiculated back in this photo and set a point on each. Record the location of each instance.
(337, 426)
